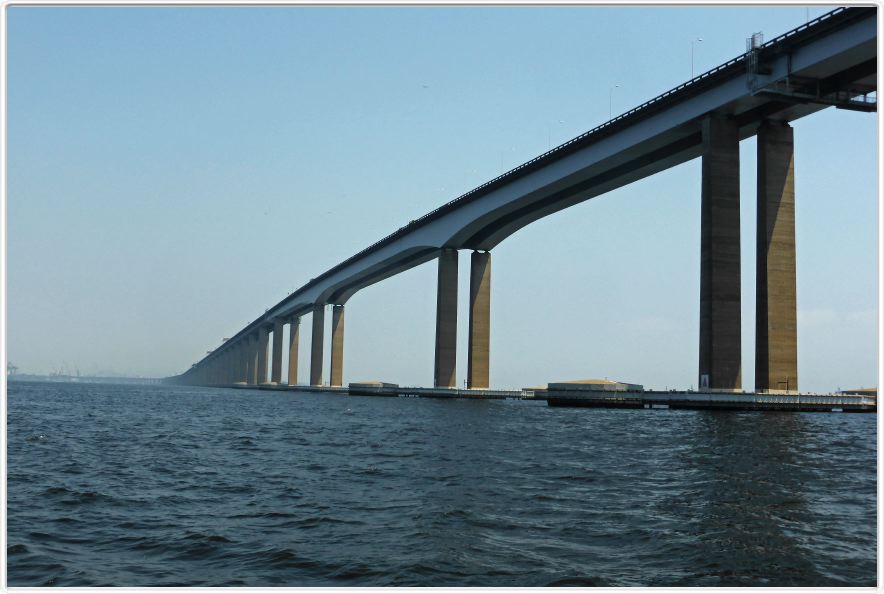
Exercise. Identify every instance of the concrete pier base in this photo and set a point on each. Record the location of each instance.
(720, 364)
(276, 360)
(776, 334)
(445, 367)
(480, 320)
(316, 345)
(294, 331)
(337, 346)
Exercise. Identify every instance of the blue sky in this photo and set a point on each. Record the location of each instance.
(175, 171)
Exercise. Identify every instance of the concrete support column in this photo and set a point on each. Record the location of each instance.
(445, 368)
(337, 346)
(263, 343)
(776, 327)
(720, 366)
(242, 362)
(253, 359)
(294, 328)
(480, 320)
(276, 361)
(316, 345)
(246, 359)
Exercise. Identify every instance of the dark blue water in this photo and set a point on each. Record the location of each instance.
(159, 486)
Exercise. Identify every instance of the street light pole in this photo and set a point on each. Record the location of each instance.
(549, 134)
(693, 41)
(611, 101)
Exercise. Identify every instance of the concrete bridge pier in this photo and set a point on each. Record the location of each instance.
(316, 344)
(227, 370)
(445, 367)
(276, 360)
(720, 365)
(245, 350)
(253, 359)
(480, 320)
(294, 326)
(241, 363)
(337, 346)
(776, 335)
(261, 362)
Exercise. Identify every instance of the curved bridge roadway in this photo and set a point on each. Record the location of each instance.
(831, 61)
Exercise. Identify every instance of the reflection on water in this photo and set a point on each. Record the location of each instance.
(749, 488)
(145, 486)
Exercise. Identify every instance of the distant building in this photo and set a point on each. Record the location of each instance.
(862, 392)
(605, 385)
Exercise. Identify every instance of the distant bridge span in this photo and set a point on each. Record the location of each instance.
(830, 61)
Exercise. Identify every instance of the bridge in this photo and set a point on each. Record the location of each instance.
(828, 62)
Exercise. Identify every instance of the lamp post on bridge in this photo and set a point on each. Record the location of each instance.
(611, 101)
(549, 134)
(693, 41)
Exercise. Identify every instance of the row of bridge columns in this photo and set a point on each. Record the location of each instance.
(246, 361)
(720, 368)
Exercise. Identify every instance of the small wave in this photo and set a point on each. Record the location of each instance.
(274, 514)
(370, 470)
(456, 513)
(235, 488)
(318, 521)
(355, 571)
(578, 479)
(72, 468)
(142, 544)
(16, 549)
(284, 558)
(74, 497)
(40, 536)
(66, 520)
(579, 581)
(206, 537)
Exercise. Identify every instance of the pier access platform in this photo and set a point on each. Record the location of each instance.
(589, 395)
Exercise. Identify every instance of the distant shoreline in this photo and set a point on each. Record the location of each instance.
(83, 379)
